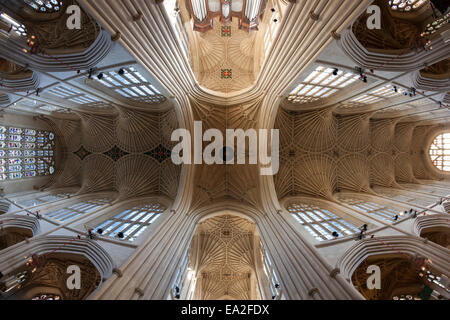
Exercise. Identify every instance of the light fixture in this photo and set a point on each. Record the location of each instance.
(120, 235)
(395, 88)
(100, 76)
(121, 71)
(100, 231)
(335, 71)
(335, 234)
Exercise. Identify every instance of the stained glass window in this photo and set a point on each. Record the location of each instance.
(406, 5)
(47, 6)
(321, 223)
(26, 153)
(440, 152)
(131, 223)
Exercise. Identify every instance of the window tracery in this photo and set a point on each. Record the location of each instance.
(16, 27)
(75, 210)
(130, 83)
(131, 223)
(440, 152)
(46, 297)
(26, 153)
(45, 6)
(378, 210)
(270, 273)
(321, 223)
(379, 94)
(42, 199)
(321, 83)
(406, 5)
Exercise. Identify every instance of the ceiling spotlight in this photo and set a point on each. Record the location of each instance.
(90, 73)
(121, 71)
(177, 296)
(395, 217)
(120, 235)
(364, 79)
(395, 88)
(335, 71)
(335, 234)
(275, 20)
(100, 231)
(100, 76)
(273, 9)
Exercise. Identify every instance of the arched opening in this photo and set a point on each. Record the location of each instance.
(440, 152)
(51, 277)
(226, 261)
(13, 235)
(17, 228)
(321, 223)
(438, 235)
(130, 223)
(398, 277)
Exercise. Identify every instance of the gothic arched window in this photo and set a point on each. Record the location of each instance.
(26, 153)
(381, 211)
(47, 6)
(321, 83)
(406, 5)
(75, 210)
(130, 83)
(17, 27)
(270, 273)
(131, 223)
(440, 152)
(41, 199)
(321, 223)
